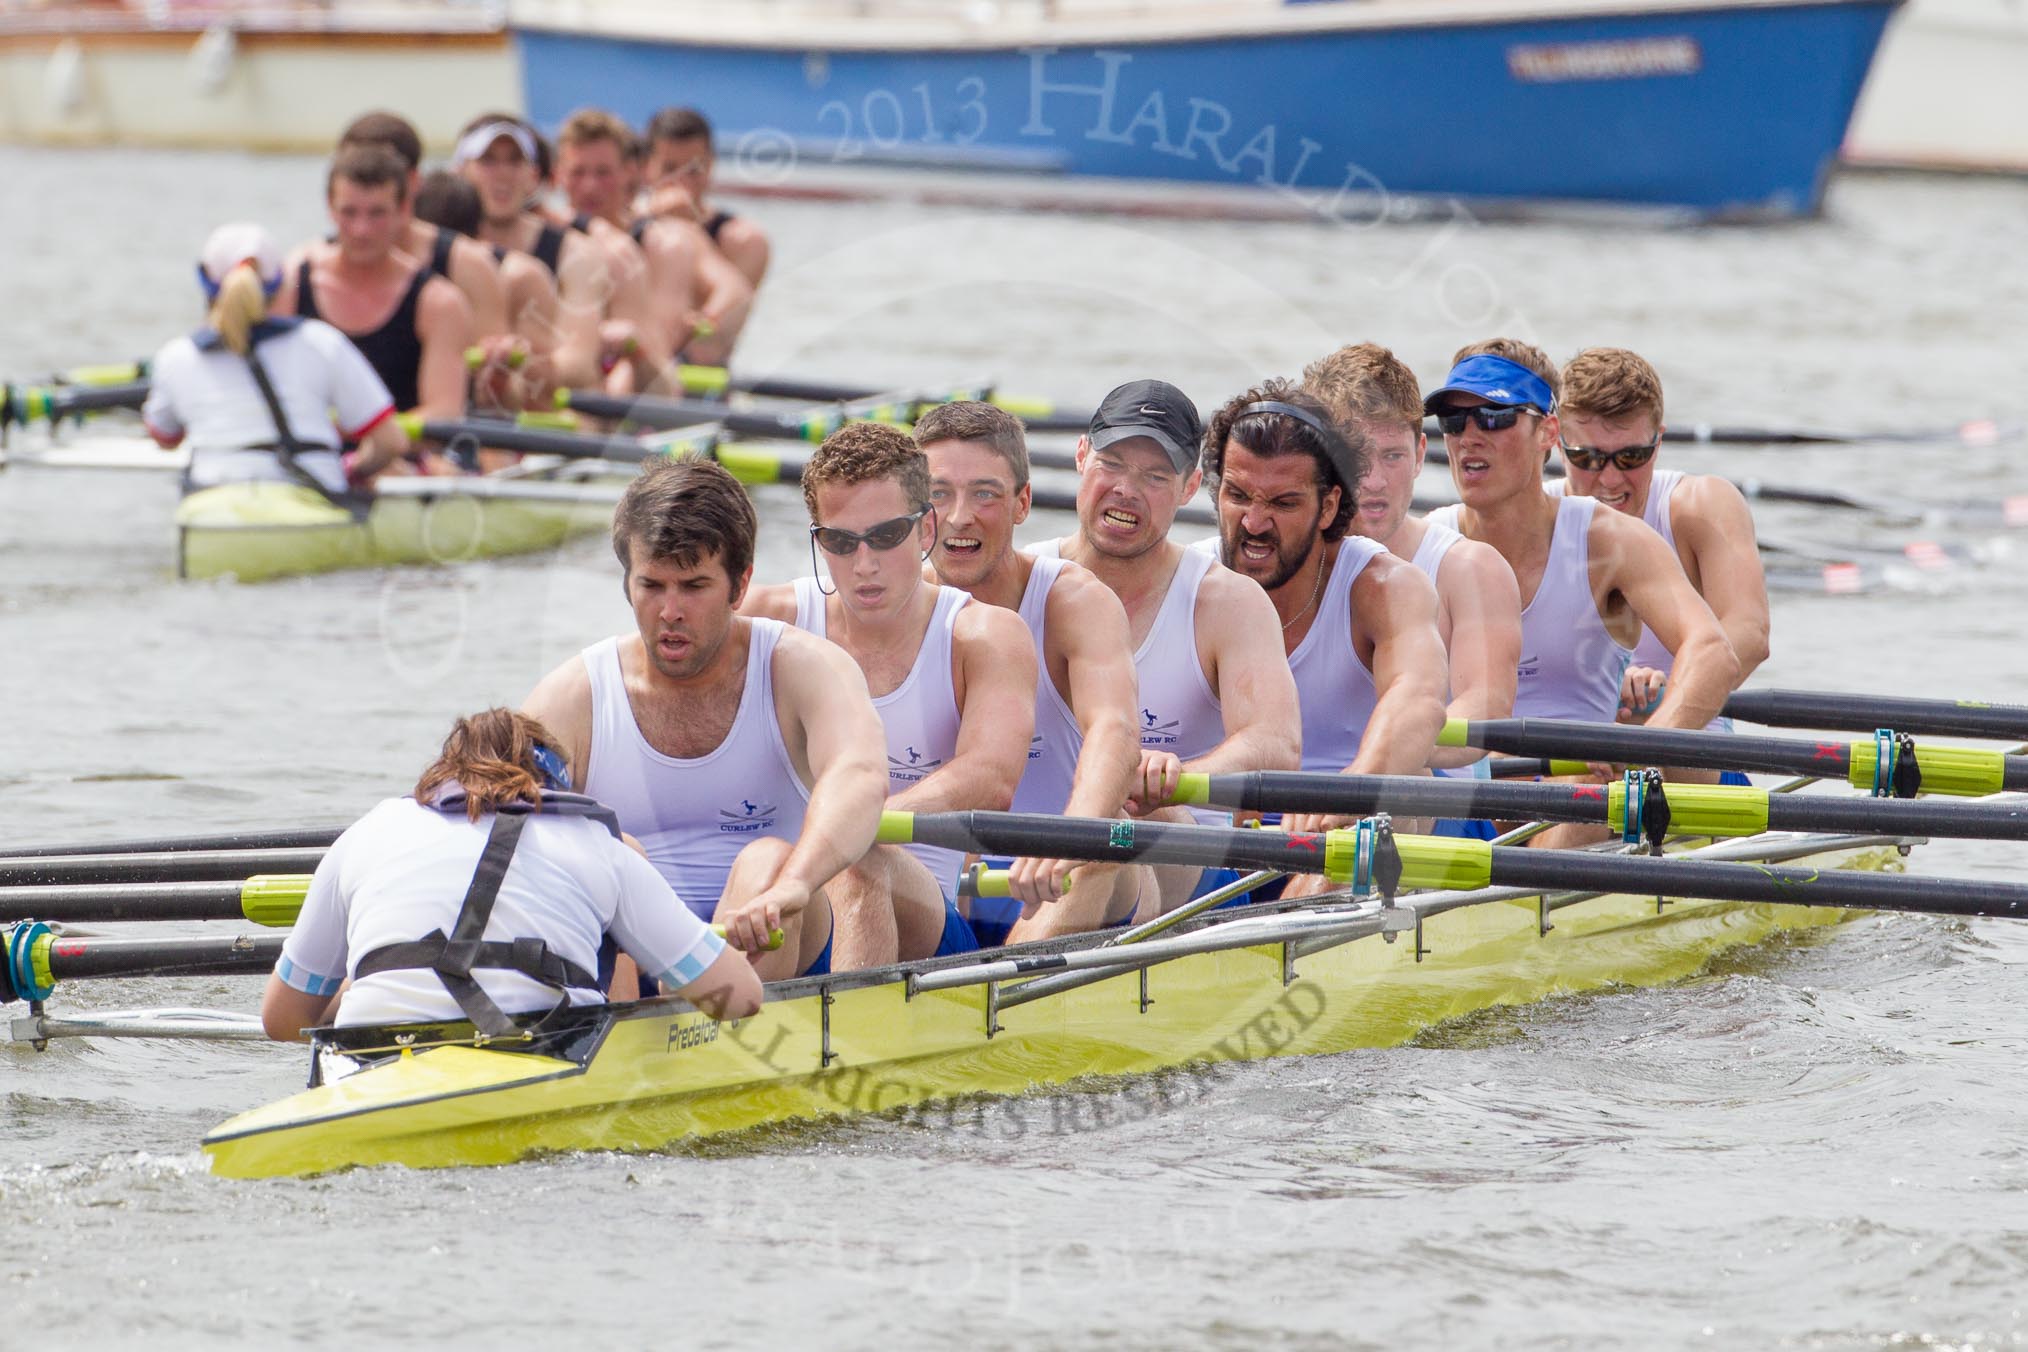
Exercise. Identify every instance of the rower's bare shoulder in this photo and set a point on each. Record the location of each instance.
(442, 309)
(1474, 568)
(562, 701)
(806, 667)
(1082, 605)
(772, 601)
(1717, 509)
(1617, 536)
(991, 634)
(1224, 591)
(468, 253)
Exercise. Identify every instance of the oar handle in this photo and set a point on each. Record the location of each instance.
(775, 937)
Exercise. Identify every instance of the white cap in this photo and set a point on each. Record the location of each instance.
(479, 139)
(241, 242)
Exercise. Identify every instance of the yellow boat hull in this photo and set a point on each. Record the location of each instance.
(260, 531)
(658, 1072)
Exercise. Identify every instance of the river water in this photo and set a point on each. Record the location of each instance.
(1816, 1143)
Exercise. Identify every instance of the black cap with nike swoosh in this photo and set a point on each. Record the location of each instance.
(1154, 409)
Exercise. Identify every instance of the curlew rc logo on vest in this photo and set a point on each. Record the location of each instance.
(1035, 747)
(911, 765)
(1155, 731)
(751, 818)
(1528, 668)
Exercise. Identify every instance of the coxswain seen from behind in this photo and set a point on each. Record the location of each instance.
(484, 894)
(204, 391)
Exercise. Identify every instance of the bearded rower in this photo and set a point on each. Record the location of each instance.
(954, 682)
(744, 754)
(412, 327)
(1216, 695)
(1611, 427)
(1357, 624)
(1084, 753)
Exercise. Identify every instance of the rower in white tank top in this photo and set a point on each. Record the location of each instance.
(1649, 652)
(1437, 540)
(1053, 750)
(1333, 687)
(693, 816)
(920, 716)
(1179, 714)
(1570, 665)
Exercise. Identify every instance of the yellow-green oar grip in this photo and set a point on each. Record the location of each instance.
(1962, 771)
(411, 424)
(34, 403)
(118, 373)
(775, 937)
(547, 421)
(896, 828)
(1700, 809)
(1023, 408)
(274, 899)
(1192, 789)
(990, 882)
(711, 380)
(1445, 862)
(1453, 733)
(751, 464)
(475, 357)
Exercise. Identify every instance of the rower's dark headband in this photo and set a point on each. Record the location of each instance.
(1334, 440)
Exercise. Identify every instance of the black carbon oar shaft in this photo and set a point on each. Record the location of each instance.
(71, 959)
(130, 901)
(303, 838)
(165, 867)
(1864, 713)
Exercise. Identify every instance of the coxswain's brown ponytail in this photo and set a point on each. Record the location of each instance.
(491, 756)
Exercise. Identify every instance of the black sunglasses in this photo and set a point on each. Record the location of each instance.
(1591, 459)
(884, 536)
(1487, 417)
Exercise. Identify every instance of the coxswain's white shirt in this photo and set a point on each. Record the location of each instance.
(402, 871)
(210, 399)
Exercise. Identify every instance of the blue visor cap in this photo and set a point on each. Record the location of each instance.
(1497, 381)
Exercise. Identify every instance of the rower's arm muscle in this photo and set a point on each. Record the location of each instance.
(996, 661)
(1398, 606)
(1263, 723)
(1484, 605)
(444, 324)
(1097, 648)
(1719, 529)
(478, 277)
(821, 687)
(1647, 572)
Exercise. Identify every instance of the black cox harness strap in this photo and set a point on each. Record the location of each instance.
(454, 957)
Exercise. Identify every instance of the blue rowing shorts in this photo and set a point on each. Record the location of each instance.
(1734, 778)
(1465, 828)
(958, 935)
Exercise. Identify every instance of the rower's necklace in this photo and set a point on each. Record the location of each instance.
(1315, 592)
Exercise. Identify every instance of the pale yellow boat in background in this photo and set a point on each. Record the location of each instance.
(259, 531)
(1236, 985)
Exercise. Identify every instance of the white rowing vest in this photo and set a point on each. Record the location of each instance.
(1334, 687)
(1657, 512)
(920, 716)
(694, 815)
(1437, 540)
(1178, 713)
(1570, 665)
(1053, 750)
